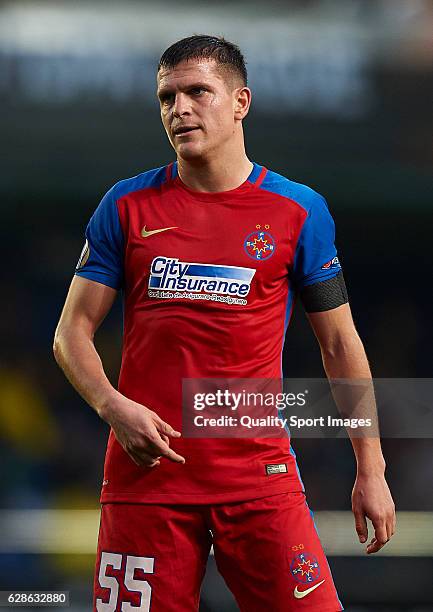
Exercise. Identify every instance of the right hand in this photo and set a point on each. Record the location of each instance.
(141, 432)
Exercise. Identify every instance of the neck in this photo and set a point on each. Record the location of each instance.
(218, 173)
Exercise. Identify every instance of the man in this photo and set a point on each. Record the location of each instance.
(209, 252)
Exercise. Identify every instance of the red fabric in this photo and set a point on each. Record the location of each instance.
(257, 547)
(166, 340)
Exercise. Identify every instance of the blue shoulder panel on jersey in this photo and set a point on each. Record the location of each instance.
(151, 178)
(316, 257)
(301, 194)
(102, 257)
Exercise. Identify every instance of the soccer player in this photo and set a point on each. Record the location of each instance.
(209, 253)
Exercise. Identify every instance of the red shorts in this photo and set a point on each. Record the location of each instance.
(153, 557)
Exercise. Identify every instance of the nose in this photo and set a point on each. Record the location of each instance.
(181, 105)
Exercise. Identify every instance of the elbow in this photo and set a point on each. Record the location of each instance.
(60, 337)
(68, 338)
(56, 346)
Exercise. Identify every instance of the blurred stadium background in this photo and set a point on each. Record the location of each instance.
(343, 100)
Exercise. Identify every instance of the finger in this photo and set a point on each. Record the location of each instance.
(361, 526)
(390, 526)
(170, 454)
(374, 546)
(380, 532)
(158, 446)
(165, 438)
(165, 428)
(150, 462)
(150, 459)
(134, 458)
(380, 537)
(143, 459)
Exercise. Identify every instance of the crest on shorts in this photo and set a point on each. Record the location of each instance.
(305, 568)
(260, 245)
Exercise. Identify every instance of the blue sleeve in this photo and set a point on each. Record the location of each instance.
(101, 259)
(316, 256)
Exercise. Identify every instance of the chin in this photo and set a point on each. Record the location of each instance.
(190, 151)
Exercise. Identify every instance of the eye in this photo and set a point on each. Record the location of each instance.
(197, 91)
(166, 98)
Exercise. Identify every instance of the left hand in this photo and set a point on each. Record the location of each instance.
(372, 498)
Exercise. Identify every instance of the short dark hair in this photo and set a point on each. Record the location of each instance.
(202, 46)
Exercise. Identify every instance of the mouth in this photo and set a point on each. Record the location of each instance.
(185, 129)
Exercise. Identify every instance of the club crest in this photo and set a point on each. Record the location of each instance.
(259, 245)
(305, 568)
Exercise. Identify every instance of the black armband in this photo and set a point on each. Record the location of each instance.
(325, 295)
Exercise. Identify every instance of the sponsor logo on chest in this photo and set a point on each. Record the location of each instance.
(170, 277)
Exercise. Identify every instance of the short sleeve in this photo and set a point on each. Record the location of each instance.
(101, 259)
(316, 256)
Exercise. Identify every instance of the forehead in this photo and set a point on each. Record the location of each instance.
(188, 72)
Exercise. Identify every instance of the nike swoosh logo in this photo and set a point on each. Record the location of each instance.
(146, 233)
(301, 594)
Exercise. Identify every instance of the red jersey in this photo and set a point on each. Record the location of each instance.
(208, 282)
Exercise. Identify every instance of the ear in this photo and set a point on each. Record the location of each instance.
(242, 102)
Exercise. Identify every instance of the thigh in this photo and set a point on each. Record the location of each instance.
(269, 553)
(151, 558)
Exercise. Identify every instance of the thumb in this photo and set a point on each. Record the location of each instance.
(361, 526)
(167, 429)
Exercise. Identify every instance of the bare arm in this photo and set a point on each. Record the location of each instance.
(140, 431)
(344, 358)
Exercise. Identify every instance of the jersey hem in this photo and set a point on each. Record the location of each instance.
(201, 498)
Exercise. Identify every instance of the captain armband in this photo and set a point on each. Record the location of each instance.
(325, 295)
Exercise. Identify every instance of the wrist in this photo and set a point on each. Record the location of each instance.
(374, 467)
(369, 457)
(104, 406)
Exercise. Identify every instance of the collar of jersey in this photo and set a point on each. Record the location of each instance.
(220, 196)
